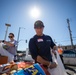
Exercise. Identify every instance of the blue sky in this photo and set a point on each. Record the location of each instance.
(53, 13)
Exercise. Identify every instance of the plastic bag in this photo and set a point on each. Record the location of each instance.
(6, 53)
(59, 70)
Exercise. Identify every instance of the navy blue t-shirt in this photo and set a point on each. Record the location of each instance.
(41, 45)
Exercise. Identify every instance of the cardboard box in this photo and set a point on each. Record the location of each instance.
(3, 59)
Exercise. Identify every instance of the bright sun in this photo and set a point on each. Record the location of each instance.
(35, 12)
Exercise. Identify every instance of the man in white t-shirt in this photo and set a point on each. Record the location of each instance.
(9, 48)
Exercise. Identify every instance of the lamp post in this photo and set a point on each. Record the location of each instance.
(7, 25)
(70, 32)
(19, 34)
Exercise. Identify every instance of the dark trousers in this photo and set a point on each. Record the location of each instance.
(61, 58)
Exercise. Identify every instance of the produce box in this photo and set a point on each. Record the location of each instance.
(3, 59)
(22, 68)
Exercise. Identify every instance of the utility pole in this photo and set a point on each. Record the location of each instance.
(70, 32)
(19, 35)
(7, 25)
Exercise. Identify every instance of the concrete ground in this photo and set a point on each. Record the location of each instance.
(71, 70)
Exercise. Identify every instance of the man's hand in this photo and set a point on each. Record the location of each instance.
(53, 65)
(53, 51)
(55, 48)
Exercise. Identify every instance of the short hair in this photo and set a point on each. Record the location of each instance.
(11, 34)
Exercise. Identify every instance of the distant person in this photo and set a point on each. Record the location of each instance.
(10, 47)
(40, 46)
(60, 51)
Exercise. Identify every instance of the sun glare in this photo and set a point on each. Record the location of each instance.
(35, 12)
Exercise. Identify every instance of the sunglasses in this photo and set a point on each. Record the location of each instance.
(10, 36)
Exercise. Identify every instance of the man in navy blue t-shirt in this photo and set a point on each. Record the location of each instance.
(40, 46)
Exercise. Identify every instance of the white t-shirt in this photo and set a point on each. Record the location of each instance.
(13, 49)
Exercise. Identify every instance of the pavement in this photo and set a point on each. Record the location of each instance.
(71, 70)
